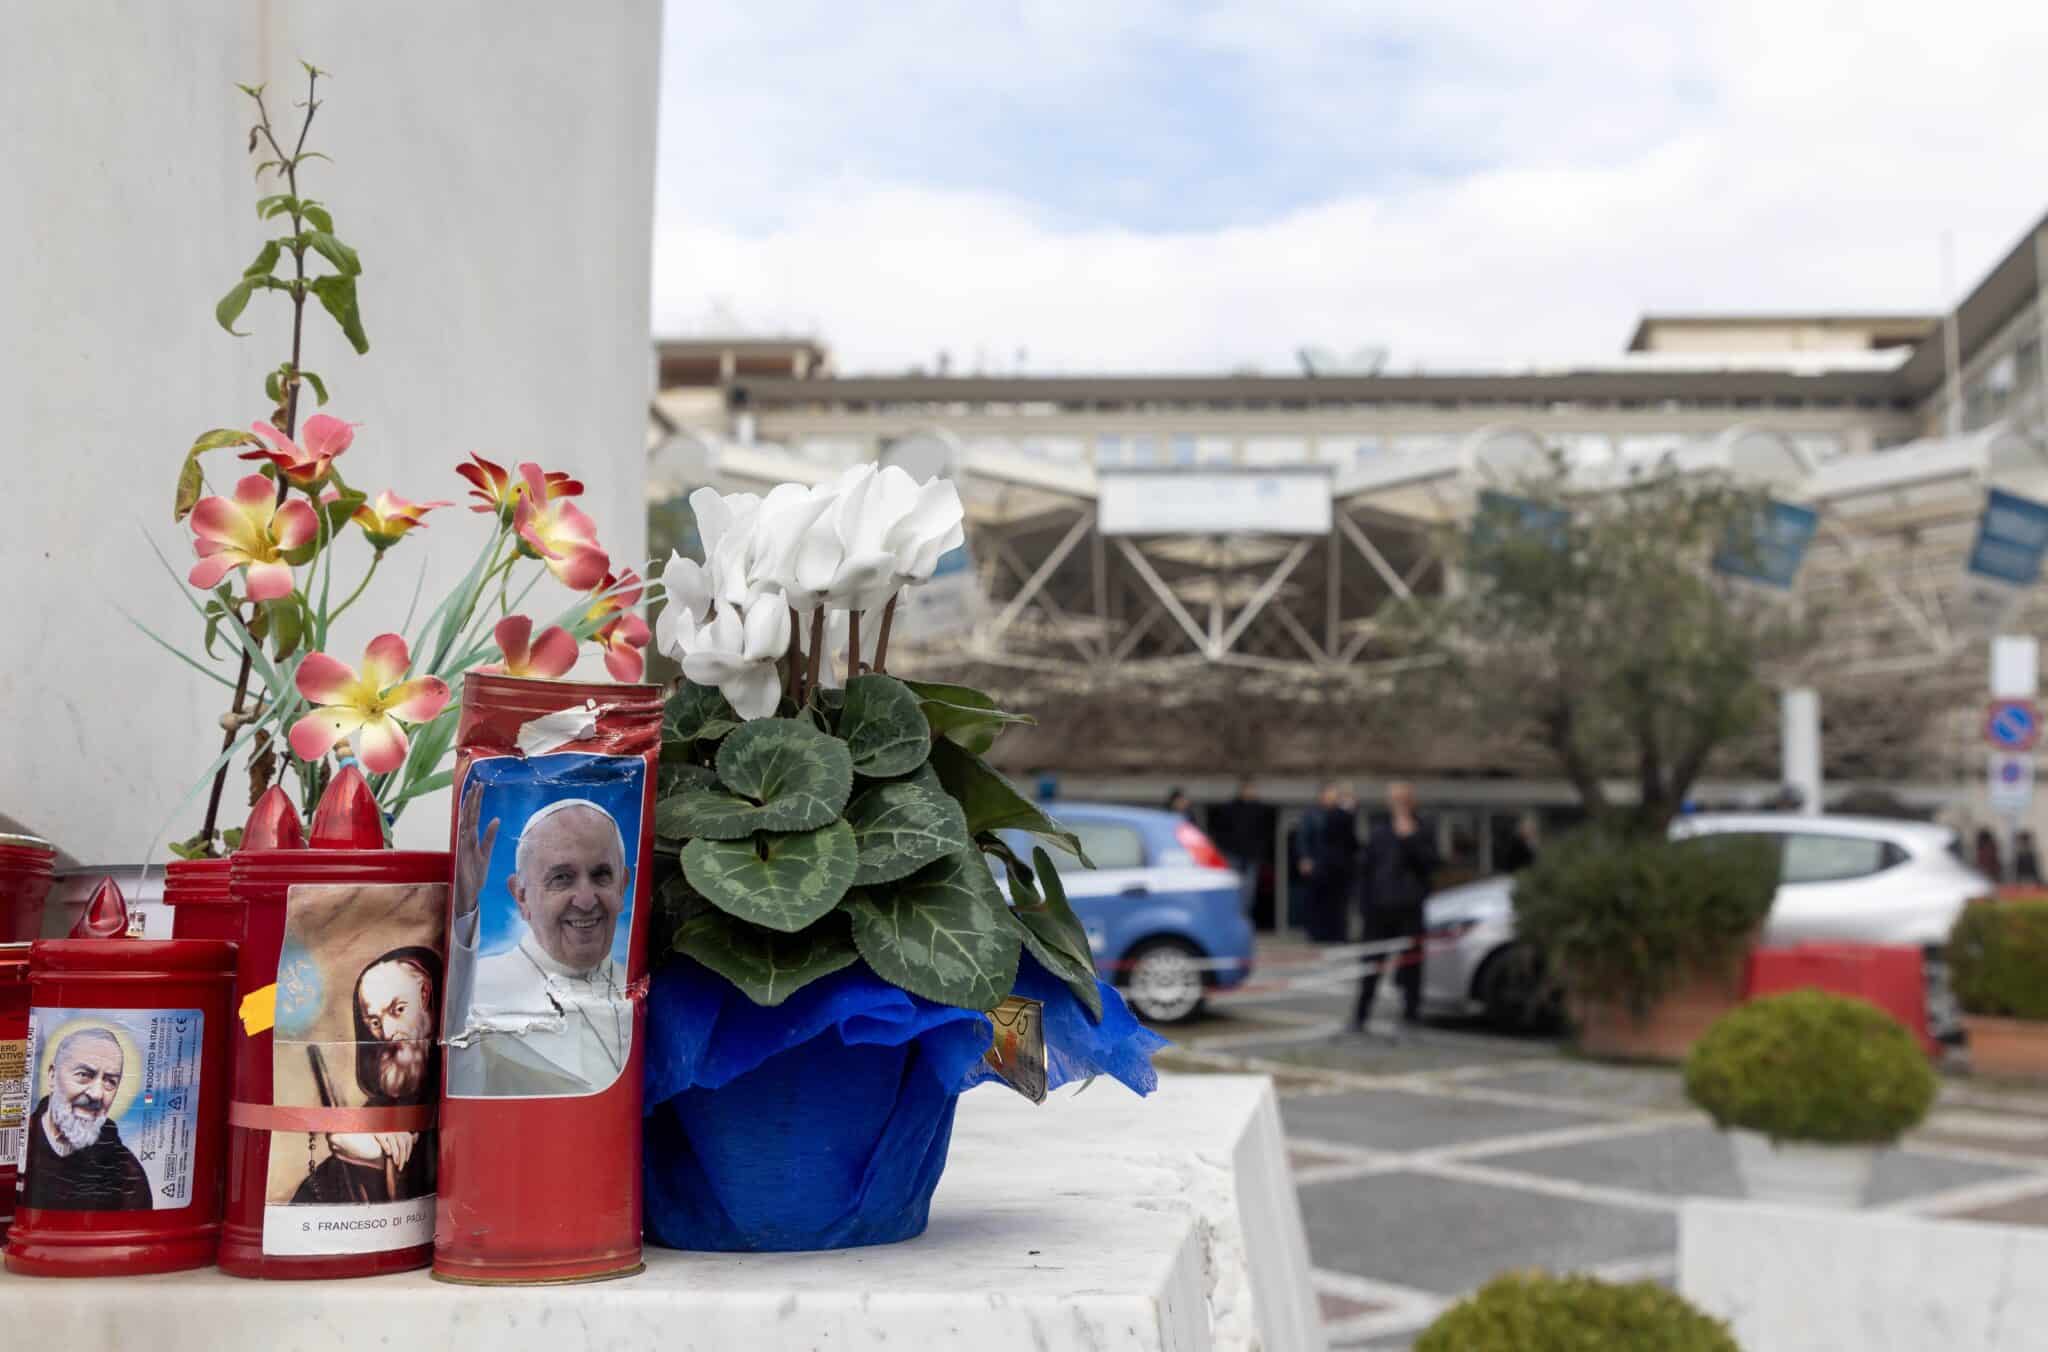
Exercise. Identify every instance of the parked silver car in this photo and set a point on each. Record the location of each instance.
(1841, 879)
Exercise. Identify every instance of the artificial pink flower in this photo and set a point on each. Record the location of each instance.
(497, 491)
(251, 530)
(304, 463)
(373, 706)
(550, 653)
(625, 634)
(557, 533)
(386, 520)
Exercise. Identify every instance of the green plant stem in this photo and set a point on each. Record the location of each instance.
(817, 650)
(350, 600)
(291, 417)
(882, 639)
(792, 680)
(852, 644)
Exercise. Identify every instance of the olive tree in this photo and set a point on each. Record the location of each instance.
(1592, 624)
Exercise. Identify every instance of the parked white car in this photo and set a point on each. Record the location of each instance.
(1842, 879)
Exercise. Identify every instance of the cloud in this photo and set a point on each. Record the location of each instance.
(1471, 184)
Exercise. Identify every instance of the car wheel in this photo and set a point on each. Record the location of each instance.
(1163, 982)
(1516, 991)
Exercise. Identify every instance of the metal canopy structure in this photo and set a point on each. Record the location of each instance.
(1079, 608)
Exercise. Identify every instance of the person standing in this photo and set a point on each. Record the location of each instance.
(1243, 831)
(1400, 861)
(1328, 865)
(2026, 860)
(1989, 863)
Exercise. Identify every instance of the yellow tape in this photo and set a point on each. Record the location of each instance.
(259, 1010)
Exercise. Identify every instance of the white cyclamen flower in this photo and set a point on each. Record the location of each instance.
(931, 525)
(787, 515)
(737, 652)
(842, 558)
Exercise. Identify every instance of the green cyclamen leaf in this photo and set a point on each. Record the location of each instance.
(991, 804)
(903, 826)
(884, 728)
(672, 779)
(782, 881)
(338, 297)
(767, 966)
(779, 775)
(1055, 935)
(942, 933)
(697, 713)
(963, 715)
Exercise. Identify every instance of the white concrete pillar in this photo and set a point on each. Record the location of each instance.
(493, 164)
(1799, 725)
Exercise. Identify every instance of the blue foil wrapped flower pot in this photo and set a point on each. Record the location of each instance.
(824, 1122)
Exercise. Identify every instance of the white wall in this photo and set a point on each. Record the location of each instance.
(494, 166)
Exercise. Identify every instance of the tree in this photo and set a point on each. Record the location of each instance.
(1594, 626)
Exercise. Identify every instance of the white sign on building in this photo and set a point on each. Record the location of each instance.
(1214, 502)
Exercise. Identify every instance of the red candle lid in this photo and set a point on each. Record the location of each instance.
(274, 823)
(347, 817)
(105, 915)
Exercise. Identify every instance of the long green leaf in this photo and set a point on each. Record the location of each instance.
(193, 663)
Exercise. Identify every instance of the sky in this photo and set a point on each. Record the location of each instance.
(1136, 185)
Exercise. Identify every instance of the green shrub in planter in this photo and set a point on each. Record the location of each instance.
(1809, 1066)
(1535, 1312)
(1998, 959)
(1626, 918)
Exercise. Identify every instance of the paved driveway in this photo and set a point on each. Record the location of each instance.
(1424, 1168)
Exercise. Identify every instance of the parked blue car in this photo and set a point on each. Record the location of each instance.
(1164, 913)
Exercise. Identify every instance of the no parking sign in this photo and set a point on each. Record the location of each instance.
(2012, 725)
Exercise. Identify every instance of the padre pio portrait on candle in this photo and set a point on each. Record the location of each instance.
(75, 1157)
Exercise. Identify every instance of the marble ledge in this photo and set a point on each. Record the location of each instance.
(1098, 1221)
(1788, 1279)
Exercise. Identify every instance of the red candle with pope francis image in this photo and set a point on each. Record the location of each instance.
(547, 947)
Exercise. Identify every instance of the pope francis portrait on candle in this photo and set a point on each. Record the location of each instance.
(549, 1015)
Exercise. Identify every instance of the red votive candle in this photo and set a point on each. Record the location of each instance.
(196, 890)
(14, 1077)
(540, 1122)
(331, 1151)
(127, 1060)
(25, 863)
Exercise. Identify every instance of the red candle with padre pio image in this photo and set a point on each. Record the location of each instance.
(547, 944)
(331, 1155)
(127, 1062)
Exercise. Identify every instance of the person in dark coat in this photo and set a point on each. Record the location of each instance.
(1243, 831)
(1328, 866)
(1399, 865)
(1989, 863)
(2026, 860)
(76, 1160)
(1518, 851)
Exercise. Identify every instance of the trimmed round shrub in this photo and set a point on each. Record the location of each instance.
(1810, 1066)
(1626, 919)
(1535, 1312)
(1998, 959)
